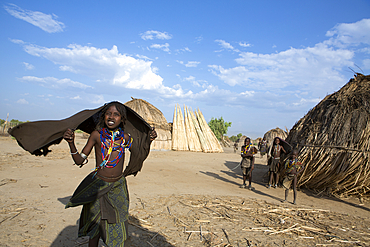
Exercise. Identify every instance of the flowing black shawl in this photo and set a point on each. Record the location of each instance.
(36, 137)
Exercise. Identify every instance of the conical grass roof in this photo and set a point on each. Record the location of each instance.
(334, 141)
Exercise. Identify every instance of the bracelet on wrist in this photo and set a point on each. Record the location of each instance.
(75, 152)
(83, 163)
(84, 156)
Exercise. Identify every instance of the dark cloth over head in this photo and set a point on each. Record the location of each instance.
(288, 148)
(36, 137)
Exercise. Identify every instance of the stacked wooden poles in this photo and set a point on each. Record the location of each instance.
(193, 140)
(204, 144)
(191, 132)
(211, 138)
(180, 143)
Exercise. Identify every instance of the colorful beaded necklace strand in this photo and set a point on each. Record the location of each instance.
(115, 136)
(246, 149)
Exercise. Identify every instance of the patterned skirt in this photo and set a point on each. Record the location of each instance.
(105, 209)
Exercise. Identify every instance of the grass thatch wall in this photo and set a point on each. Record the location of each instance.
(156, 119)
(334, 141)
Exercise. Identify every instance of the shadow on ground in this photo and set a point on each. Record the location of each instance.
(311, 193)
(259, 176)
(139, 236)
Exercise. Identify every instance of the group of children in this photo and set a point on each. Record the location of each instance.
(292, 166)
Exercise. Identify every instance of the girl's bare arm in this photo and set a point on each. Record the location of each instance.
(69, 136)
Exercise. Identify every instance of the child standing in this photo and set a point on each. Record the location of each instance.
(292, 168)
(103, 193)
(275, 161)
(247, 163)
(262, 146)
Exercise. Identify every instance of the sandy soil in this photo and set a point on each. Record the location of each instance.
(178, 199)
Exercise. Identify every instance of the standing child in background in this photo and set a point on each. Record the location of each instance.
(235, 146)
(247, 163)
(262, 146)
(103, 193)
(293, 169)
(276, 150)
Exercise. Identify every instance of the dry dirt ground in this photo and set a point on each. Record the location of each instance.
(178, 199)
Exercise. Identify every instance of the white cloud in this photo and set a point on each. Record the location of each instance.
(192, 80)
(22, 102)
(155, 35)
(28, 66)
(186, 49)
(198, 39)
(46, 22)
(189, 63)
(143, 57)
(164, 47)
(303, 101)
(365, 50)
(224, 44)
(189, 78)
(67, 68)
(308, 68)
(247, 93)
(192, 64)
(244, 44)
(51, 82)
(17, 41)
(349, 34)
(109, 65)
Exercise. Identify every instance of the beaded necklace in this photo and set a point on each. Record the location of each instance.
(246, 149)
(111, 141)
(277, 148)
(291, 164)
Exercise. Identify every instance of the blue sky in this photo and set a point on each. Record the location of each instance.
(258, 64)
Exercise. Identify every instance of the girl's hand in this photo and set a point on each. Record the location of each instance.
(153, 134)
(69, 135)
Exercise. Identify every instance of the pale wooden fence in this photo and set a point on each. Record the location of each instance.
(5, 126)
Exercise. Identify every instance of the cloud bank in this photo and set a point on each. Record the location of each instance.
(46, 22)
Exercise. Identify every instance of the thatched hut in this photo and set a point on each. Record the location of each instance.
(271, 134)
(156, 119)
(334, 141)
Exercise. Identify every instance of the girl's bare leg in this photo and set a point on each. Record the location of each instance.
(295, 189)
(286, 195)
(277, 179)
(271, 176)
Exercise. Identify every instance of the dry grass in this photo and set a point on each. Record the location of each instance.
(334, 141)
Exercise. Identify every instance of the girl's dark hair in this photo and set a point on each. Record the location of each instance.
(246, 139)
(120, 108)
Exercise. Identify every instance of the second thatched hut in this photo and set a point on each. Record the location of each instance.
(334, 141)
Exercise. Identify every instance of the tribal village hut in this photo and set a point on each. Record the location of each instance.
(334, 141)
(156, 119)
(271, 134)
